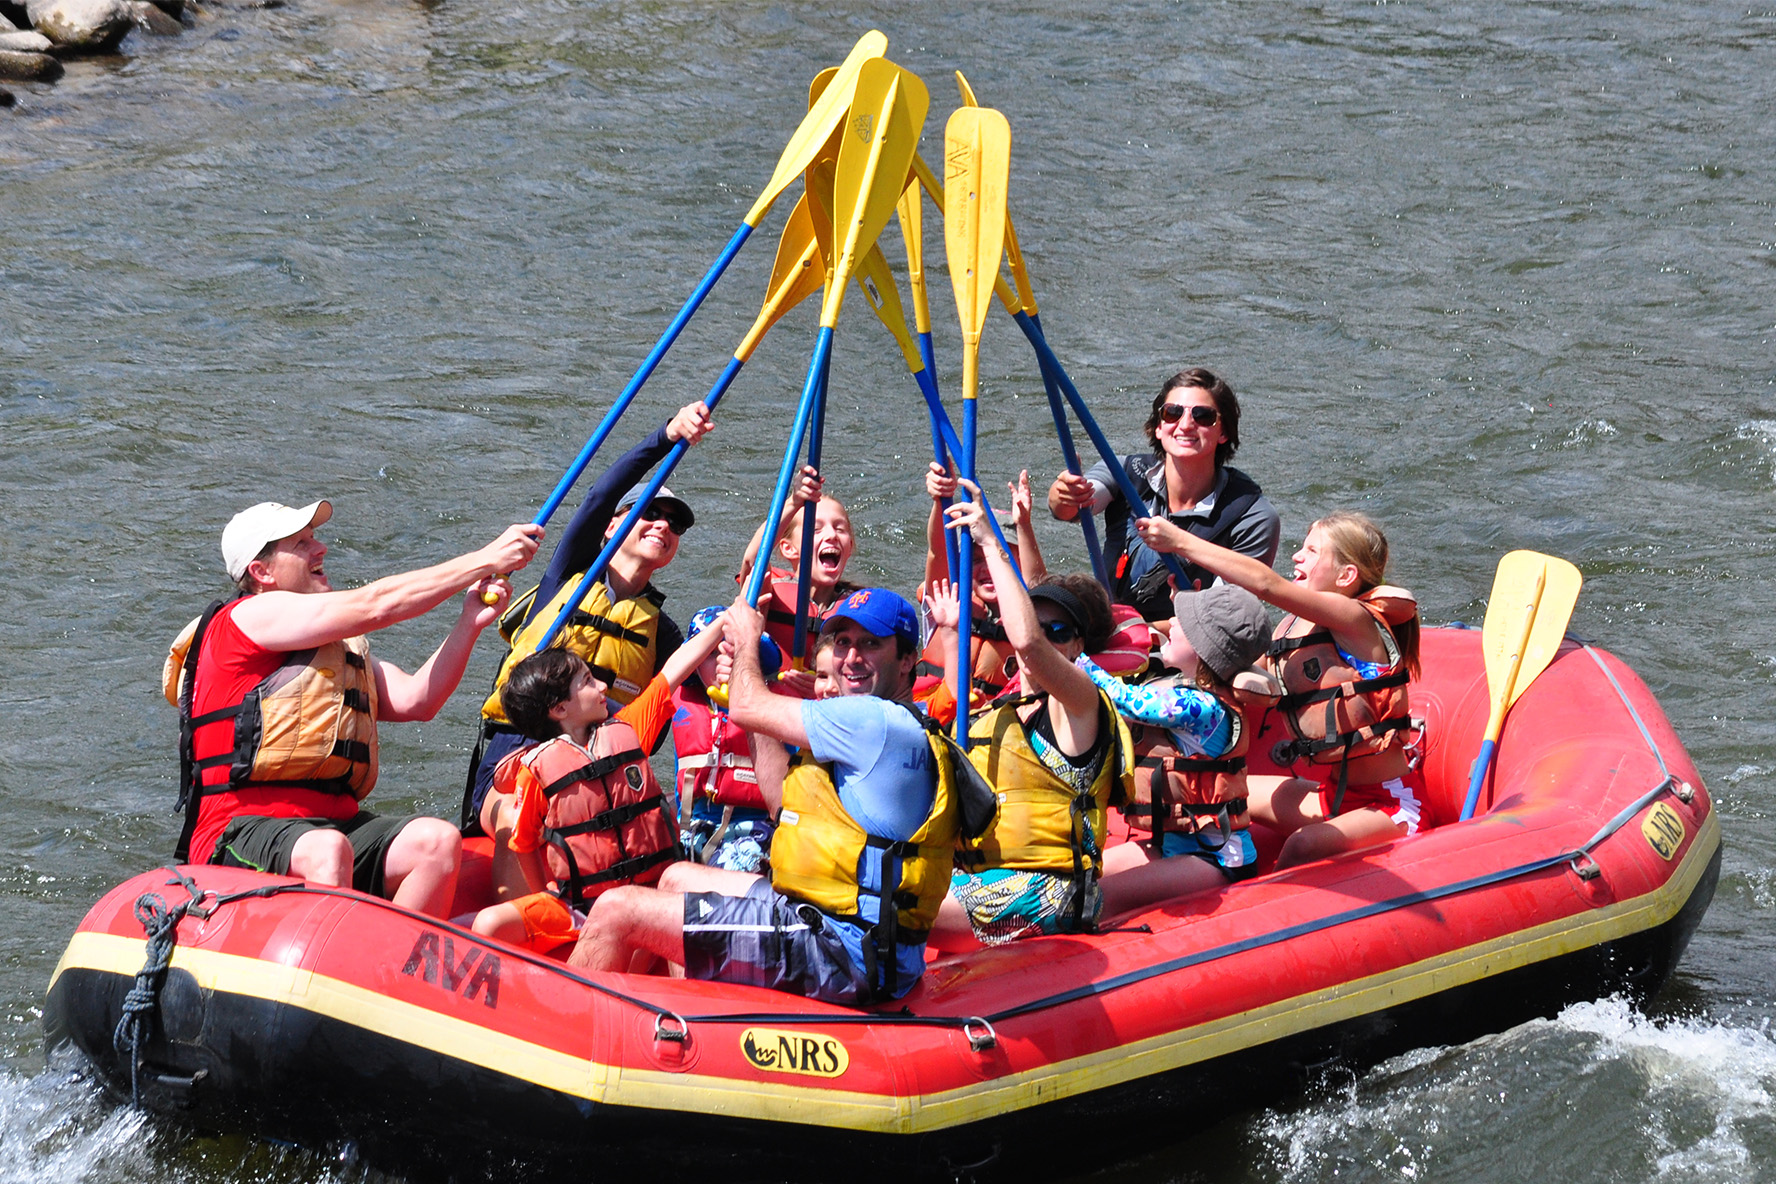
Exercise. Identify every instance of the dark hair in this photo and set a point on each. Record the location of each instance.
(536, 685)
(1225, 403)
(1098, 626)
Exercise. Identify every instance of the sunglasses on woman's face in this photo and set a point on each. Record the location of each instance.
(675, 518)
(1202, 417)
(1060, 632)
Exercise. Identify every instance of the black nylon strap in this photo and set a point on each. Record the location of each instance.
(613, 817)
(626, 868)
(1287, 645)
(606, 626)
(1193, 764)
(355, 751)
(1344, 690)
(594, 771)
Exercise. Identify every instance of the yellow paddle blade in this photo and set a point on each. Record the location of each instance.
(883, 295)
(1026, 298)
(927, 180)
(817, 126)
(977, 169)
(1526, 618)
(887, 114)
(912, 232)
(820, 196)
(821, 81)
(796, 275)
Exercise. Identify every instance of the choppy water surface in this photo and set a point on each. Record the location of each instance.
(1501, 276)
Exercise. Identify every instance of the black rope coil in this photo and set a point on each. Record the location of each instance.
(160, 922)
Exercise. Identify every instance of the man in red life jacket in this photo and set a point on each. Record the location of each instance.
(279, 700)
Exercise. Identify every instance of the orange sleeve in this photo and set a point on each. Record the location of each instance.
(941, 706)
(533, 807)
(650, 713)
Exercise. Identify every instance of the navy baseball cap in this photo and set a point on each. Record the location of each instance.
(770, 655)
(882, 612)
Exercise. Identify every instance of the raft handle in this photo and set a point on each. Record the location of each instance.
(1585, 867)
(676, 1035)
(982, 1040)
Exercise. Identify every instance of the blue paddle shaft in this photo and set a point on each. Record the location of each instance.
(791, 453)
(1478, 778)
(1088, 523)
(928, 355)
(798, 646)
(928, 387)
(965, 589)
(641, 375)
(641, 503)
(1126, 487)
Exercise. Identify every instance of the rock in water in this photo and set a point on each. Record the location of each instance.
(150, 18)
(25, 42)
(173, 8)
(28, 67)
(94, 26)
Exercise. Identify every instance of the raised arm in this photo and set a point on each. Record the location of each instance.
(751, 702)
(805, 491)
(1348, 620)
(422, 694)
(1029, 551)
(291, 621)
(1047, 668)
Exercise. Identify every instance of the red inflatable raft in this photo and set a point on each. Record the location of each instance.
(320, 1015)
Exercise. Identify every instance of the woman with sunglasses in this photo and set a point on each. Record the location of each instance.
(620, 628)
(1058, 755)
(1194, 430)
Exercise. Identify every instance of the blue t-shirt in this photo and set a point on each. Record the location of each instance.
(882, 772)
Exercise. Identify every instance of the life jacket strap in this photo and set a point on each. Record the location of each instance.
(1343, 690)
(596, 770)
(606, 626)
(609, 819)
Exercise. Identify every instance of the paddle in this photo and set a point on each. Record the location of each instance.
(887, 113)
(977, 171)
(1526, 618)
(796, 275)
(816, 129)
(882, 294)
(912, 232)
(1025, 309)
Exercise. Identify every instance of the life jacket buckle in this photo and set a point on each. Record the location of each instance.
(678, 1035)
(983, 1039)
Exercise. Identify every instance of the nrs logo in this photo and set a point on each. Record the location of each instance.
(777, 1051)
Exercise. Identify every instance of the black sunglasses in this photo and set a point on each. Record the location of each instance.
(1202, 417)
(677, 521)
(1060, 632)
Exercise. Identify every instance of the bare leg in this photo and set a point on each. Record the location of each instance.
(952, 919)
(1285, 804)
(630, 919)
(420, 868)
(1135, 877)
(502, 921)
(686, 877)
(1347, 832)
(323, 856)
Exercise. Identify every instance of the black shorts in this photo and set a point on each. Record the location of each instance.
(264, 844)
(764, 939)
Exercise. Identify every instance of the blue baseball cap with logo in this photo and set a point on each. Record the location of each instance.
(770, 656)
(881, 612)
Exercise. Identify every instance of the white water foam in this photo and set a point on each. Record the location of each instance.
(56, 1128)
(1763, 433)
(1601, 1091)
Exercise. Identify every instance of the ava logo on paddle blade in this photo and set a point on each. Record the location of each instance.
(777, 1051)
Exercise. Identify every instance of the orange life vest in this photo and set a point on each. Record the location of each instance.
(993, 665)
(1333, 713)
(1188, 794)
(608, 823)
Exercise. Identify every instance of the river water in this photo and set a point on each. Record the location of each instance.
(1500, 275)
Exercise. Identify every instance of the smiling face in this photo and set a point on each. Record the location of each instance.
(650, 546)
(833, 544)
(825, 684)
(864, 664)
(1317, 566)
(294, 565)
(1187, 440)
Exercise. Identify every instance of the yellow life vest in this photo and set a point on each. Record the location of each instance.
(1042, 822)
(817, 848)
(618, 640)
(311, 722)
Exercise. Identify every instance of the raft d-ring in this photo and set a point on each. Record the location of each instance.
(982, 1040)
(1585, 867)
(1686, 793)
(676, 1035)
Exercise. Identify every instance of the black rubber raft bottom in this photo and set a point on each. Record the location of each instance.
(431, 1117)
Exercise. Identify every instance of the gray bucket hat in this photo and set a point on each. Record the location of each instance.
(1226, 626)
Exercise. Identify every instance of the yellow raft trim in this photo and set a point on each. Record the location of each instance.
(783, 1102)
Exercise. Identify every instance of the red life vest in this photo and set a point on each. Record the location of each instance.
(781, 613)
(1334, 713)
(714, 755)
(993, 665)
(607, 822)
(1186, 794)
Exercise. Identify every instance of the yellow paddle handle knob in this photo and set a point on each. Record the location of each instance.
(488, 596)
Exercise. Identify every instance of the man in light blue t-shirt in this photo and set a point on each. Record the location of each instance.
(732, 926)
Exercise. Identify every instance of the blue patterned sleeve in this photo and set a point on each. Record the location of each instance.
(1195, 715)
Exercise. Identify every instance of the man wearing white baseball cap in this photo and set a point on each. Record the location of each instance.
(279, 699)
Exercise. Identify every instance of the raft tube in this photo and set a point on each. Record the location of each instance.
(322, 1016)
